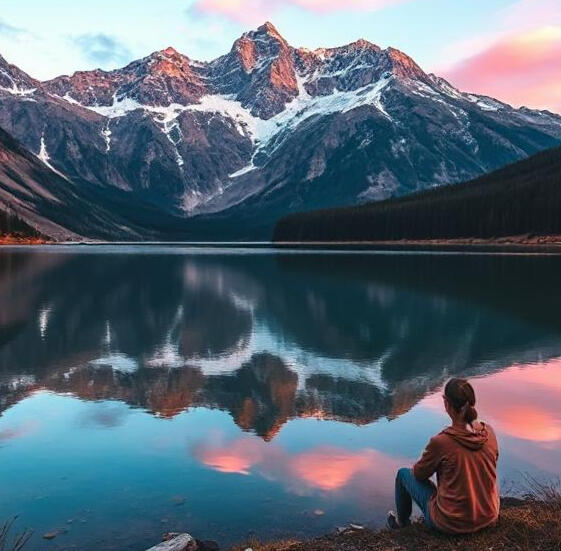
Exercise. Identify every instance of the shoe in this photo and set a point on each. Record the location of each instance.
(392, 522)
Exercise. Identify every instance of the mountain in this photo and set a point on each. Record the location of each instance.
(522, 198)
(36, 198)
(229, 146)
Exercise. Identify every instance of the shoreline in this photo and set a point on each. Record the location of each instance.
(8, 240)
(550, 244)
(529, 524)
(546, 244)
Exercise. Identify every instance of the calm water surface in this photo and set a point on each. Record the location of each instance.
(230, 392)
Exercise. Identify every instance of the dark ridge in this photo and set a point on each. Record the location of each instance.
(519, 199)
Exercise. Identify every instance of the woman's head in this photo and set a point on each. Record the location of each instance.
(459, 397)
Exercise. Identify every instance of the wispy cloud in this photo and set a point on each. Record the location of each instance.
(12, 32)
(521, 68)
(257, 11)
(102, 48)
(526, 14)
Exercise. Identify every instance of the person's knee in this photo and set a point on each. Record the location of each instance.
(403, 473)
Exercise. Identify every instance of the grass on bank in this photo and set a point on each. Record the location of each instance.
(9, 542)
(529, 524)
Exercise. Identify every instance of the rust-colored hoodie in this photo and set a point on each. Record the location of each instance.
(465, 462)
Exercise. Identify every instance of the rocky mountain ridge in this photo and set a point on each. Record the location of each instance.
(265, 130)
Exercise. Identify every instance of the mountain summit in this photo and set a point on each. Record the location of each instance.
(267, 129)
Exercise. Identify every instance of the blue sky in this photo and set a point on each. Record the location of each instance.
(48, 38)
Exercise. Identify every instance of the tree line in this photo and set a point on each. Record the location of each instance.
(521, 198)
(12, 224)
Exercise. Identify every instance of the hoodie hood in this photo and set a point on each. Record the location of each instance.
(471, 440)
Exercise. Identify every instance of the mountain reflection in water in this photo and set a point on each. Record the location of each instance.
(269, 338)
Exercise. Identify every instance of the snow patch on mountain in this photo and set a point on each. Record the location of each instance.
(445, 88)
(120, 107)
(246, 124)
(245, 170)
(67, 97)
(261, 131)
(16, 90)
(106, 135)
(45, 158)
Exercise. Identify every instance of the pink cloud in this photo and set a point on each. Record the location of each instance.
(323, 6)
(331, 469)
(234, 458)
(257, 11)
(324, 468)
(521, 402)
(522, 69)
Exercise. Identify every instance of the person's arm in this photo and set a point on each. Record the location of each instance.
(427, 465)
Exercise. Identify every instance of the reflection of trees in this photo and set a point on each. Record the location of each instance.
(420, 314)
(413, 320)
(211, 325)
(86, 296)
(98, 304)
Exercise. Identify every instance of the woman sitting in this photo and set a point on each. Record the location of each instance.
(464, 457)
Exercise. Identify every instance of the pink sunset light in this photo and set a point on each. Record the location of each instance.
(522, 69)
(257, 11)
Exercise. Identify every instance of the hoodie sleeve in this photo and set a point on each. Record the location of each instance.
(427, 465)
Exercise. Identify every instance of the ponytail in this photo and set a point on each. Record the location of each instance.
(461, 396)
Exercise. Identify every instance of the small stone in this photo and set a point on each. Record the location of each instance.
(70, 521)
(356, 526)
(50, 535)
(178, 500)
(319, 513)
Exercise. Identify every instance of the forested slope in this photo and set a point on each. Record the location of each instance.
(521, 198)
(11, 224)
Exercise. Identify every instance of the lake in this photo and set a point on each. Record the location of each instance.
(236, 392)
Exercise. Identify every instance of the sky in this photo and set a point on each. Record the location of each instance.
(508, 49)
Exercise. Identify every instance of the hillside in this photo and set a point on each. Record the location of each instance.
(522, 198)
(36, 200)
(12, 227)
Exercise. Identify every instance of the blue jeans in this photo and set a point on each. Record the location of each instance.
(409, 489)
